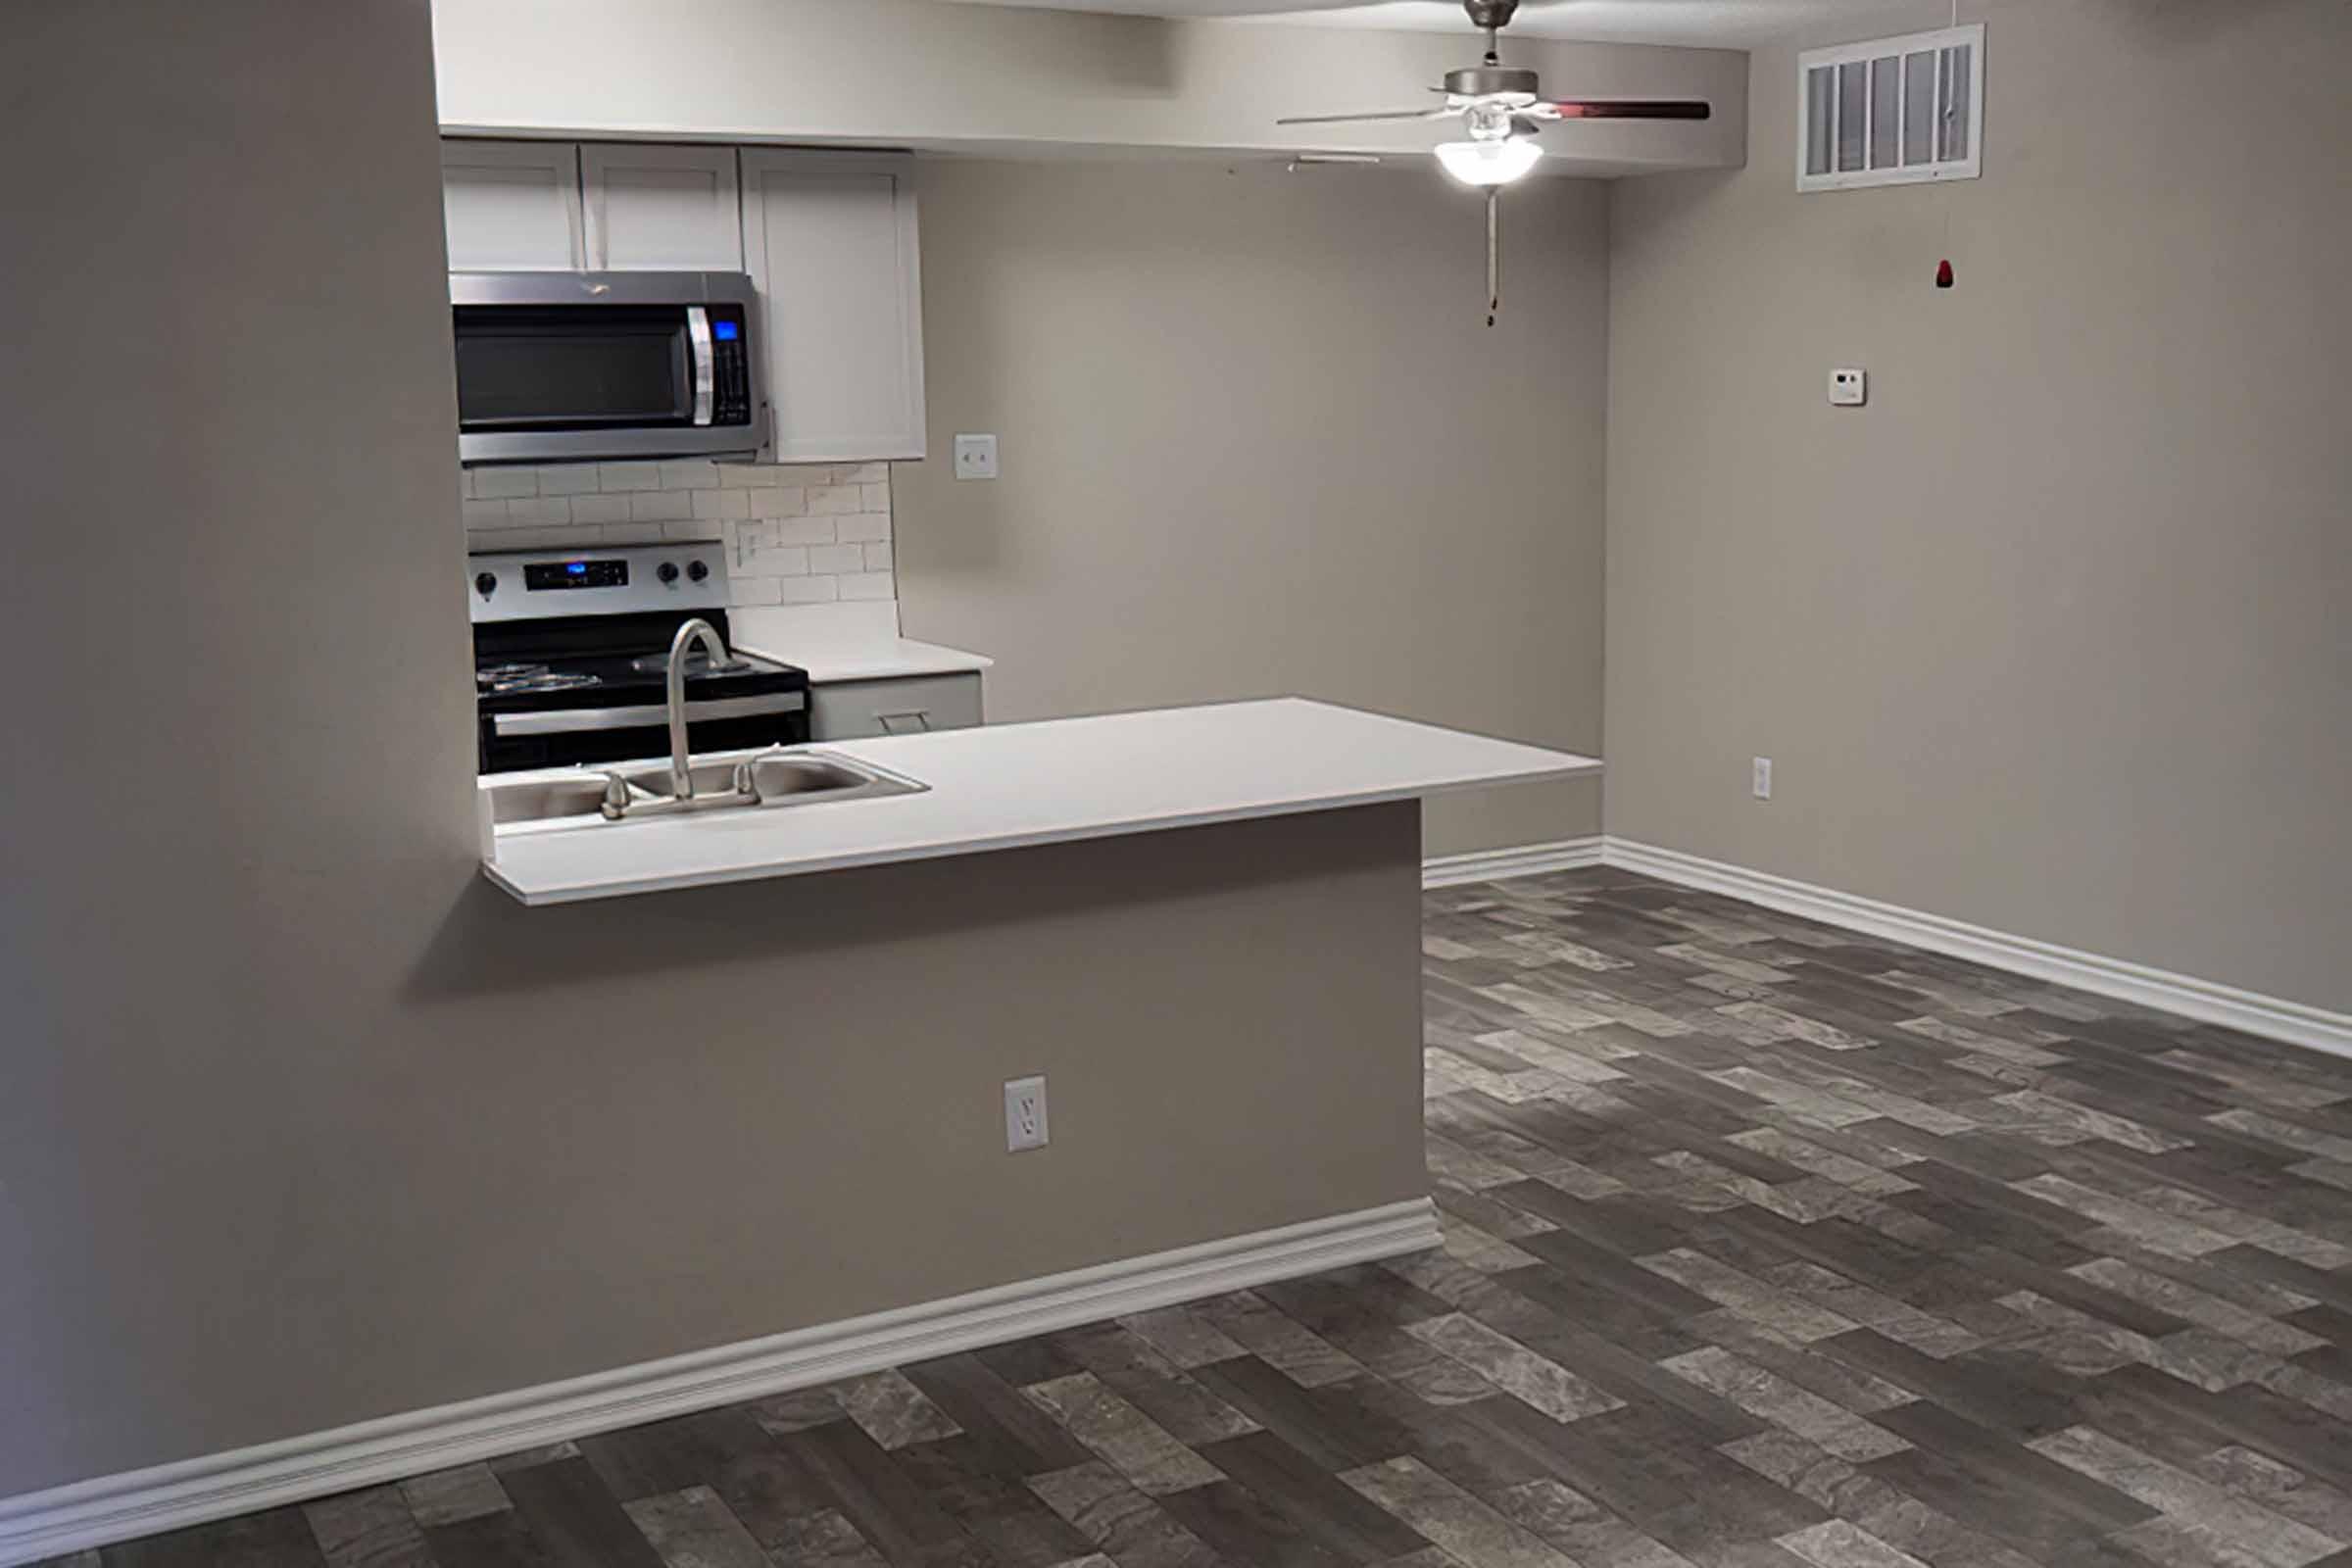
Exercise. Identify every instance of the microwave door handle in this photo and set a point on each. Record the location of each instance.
(698, 332)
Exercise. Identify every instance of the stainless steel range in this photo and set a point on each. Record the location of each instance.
(572, 658)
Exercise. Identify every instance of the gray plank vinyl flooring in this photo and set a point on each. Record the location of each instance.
(1767, 1246)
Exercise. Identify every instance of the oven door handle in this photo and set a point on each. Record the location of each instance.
(643, 716)
(706, 363)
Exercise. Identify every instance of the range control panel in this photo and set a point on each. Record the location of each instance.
(538, 585)
(542, 576)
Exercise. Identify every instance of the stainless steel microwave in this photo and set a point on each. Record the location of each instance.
(567, 367)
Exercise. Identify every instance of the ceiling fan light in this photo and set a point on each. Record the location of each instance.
(1489, 162)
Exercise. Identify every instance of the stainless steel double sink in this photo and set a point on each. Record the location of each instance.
(760, 780)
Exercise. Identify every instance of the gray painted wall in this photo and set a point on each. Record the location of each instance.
(300, 1122)
(2053, 636)
(1258, 439)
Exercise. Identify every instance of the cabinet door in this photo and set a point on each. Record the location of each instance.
(910, 705)
(662, 209)
(831, 241)
(512, 206)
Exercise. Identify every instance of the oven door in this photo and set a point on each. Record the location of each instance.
(578, 365)
(638, 732)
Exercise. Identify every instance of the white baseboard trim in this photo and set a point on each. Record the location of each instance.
(110, 1508)
(1531, 860)
(2209, 1001)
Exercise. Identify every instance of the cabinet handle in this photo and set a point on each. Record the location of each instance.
(921, 715)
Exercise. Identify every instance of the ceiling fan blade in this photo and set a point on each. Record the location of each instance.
(1340, 119)
(1623, 109)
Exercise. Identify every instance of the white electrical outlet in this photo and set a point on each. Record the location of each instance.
(1024, 1114)
(975, 457)
(1849, 389)
(1760, 782)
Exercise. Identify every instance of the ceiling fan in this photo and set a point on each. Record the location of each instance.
(1503, 109)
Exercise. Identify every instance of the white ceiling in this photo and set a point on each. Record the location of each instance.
(1720, 24)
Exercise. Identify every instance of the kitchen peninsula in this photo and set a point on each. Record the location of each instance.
(1200, 926)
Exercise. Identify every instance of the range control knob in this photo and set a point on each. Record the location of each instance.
(697, 570)
(668, 571)
(485, 583)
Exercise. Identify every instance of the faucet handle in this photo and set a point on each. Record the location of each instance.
(616, 796)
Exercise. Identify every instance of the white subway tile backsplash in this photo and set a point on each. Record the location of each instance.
(592, 511)
(806, 590)
(803, 530)
(538, 510)
(499, 484)
(754, 591)
(537, 539)
(659, 506)
(806, 534)
(629, 476)
(689, 473)
(789, 502)
(565, 480)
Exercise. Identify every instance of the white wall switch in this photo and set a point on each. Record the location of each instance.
(1849, 389)
(1760, 780)
(1024, 1114)
(975, 457)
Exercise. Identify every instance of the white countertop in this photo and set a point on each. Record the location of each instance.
(844, 642)
(1006, 786)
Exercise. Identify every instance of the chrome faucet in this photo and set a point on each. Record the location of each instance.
(681, 773)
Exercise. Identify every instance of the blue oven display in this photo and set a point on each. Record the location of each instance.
(544, 575)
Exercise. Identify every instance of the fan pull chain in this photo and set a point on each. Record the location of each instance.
(1493, 253)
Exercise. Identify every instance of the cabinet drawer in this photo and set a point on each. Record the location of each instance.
(854, 710)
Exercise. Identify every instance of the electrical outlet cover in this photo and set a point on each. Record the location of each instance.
(975, 457)
(1849, 388)
(1761, 782)
(1026, 1114)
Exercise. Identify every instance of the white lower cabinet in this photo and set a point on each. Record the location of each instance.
(909, 704)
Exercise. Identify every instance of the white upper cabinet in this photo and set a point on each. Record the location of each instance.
(662, 209)
(512, 206)
(832, 243)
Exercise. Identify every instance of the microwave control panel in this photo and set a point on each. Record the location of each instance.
(732, 379)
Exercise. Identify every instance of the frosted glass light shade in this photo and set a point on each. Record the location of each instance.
(1489, 162)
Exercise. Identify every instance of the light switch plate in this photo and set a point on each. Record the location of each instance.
(1849, 388)
(975, 457)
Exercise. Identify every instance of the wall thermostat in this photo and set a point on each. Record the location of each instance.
(1849, 389)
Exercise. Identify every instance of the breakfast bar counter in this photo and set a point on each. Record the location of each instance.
(1010, 786)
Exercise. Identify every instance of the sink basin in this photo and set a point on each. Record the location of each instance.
(773, 778)
(547, 800)
(777, 778)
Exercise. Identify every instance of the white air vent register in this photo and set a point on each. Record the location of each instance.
(1893, 110)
